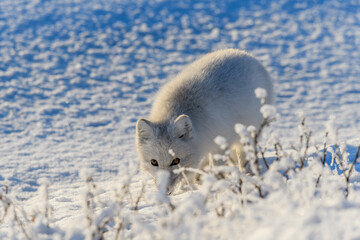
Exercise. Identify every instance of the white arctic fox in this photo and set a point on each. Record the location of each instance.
(204, 101)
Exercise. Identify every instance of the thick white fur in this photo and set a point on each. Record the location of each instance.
(205, 100)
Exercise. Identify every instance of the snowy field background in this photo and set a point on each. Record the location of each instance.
(76, 75)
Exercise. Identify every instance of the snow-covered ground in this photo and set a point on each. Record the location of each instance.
(76, 75)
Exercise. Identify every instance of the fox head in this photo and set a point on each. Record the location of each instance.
(166, 146)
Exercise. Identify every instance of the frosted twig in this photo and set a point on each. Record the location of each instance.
(324, 157)
(185, 178)
(6, 205)
(347, 176)
(140, 196)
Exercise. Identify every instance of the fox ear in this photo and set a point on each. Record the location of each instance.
(144, 130)
(183, 127)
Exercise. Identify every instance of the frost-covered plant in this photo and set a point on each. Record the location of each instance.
(339, 155)
(101, 218)
(250, 136)
(18, 219)
(43, 217)
(37, 225)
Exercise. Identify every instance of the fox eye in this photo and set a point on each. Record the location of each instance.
(176, 161)
(154, 162)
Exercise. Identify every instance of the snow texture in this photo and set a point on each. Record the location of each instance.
(76, 75)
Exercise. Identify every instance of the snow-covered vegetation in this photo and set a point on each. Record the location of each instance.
(228, 201)
(76, 75)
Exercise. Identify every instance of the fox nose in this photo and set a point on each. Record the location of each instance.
(166, 181)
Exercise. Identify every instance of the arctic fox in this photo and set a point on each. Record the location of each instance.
(204, 101)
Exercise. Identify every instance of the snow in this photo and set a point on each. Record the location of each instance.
(268, 111)
(221, 142)
(261, 94)
(76, 75)
(240, 129)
